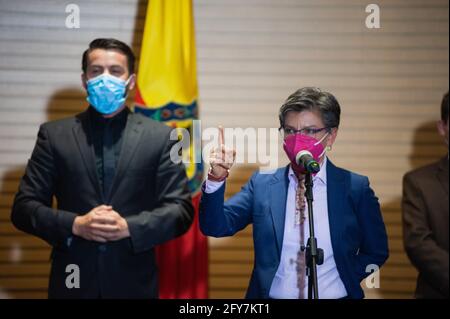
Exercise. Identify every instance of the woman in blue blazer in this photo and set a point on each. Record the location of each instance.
(347, 217)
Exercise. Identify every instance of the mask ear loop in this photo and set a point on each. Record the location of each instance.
(126, 86)
(320, 141)
(325, 150)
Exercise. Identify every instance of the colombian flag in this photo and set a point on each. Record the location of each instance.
(167, 91)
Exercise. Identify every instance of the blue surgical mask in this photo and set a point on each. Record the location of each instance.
(106, 93)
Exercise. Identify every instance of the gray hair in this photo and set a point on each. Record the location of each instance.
(313, 99)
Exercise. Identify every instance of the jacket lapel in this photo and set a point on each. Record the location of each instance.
(335, 201)
(83, 137)
(278, 189)
(133, 132)
(442, 174)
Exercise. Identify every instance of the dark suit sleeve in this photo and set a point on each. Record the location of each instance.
(431, 260)
(219, 219)
(374, 248)
(32, 210)
(174, 213)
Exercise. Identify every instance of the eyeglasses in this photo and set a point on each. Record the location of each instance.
(309, 131)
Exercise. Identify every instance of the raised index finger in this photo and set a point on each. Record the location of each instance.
(221, 138)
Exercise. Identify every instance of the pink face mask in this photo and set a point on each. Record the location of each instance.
(298, 142)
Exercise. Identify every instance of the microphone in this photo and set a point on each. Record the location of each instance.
(307, 161)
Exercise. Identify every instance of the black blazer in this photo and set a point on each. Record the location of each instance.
(149, 191)
(425, 227)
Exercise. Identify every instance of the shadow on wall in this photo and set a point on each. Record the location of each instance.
(66, 102)
(139, 24)
(24, 259)
(398, 276)
(428, 145)
(136, 41)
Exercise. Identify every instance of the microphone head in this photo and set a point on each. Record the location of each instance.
(313, 167)
(306, 160)
(302, 154)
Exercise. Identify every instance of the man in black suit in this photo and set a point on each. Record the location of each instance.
(118, 191)
(425, 221)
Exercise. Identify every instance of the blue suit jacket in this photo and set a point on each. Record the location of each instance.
(358, 234)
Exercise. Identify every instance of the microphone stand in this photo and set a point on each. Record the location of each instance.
(314, 255)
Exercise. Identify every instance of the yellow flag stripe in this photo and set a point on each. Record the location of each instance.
(167, 68)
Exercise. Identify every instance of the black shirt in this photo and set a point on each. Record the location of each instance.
(116, 126)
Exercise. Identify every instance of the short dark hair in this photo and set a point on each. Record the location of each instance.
(109, 44)
(313, 99)
(444, 109)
